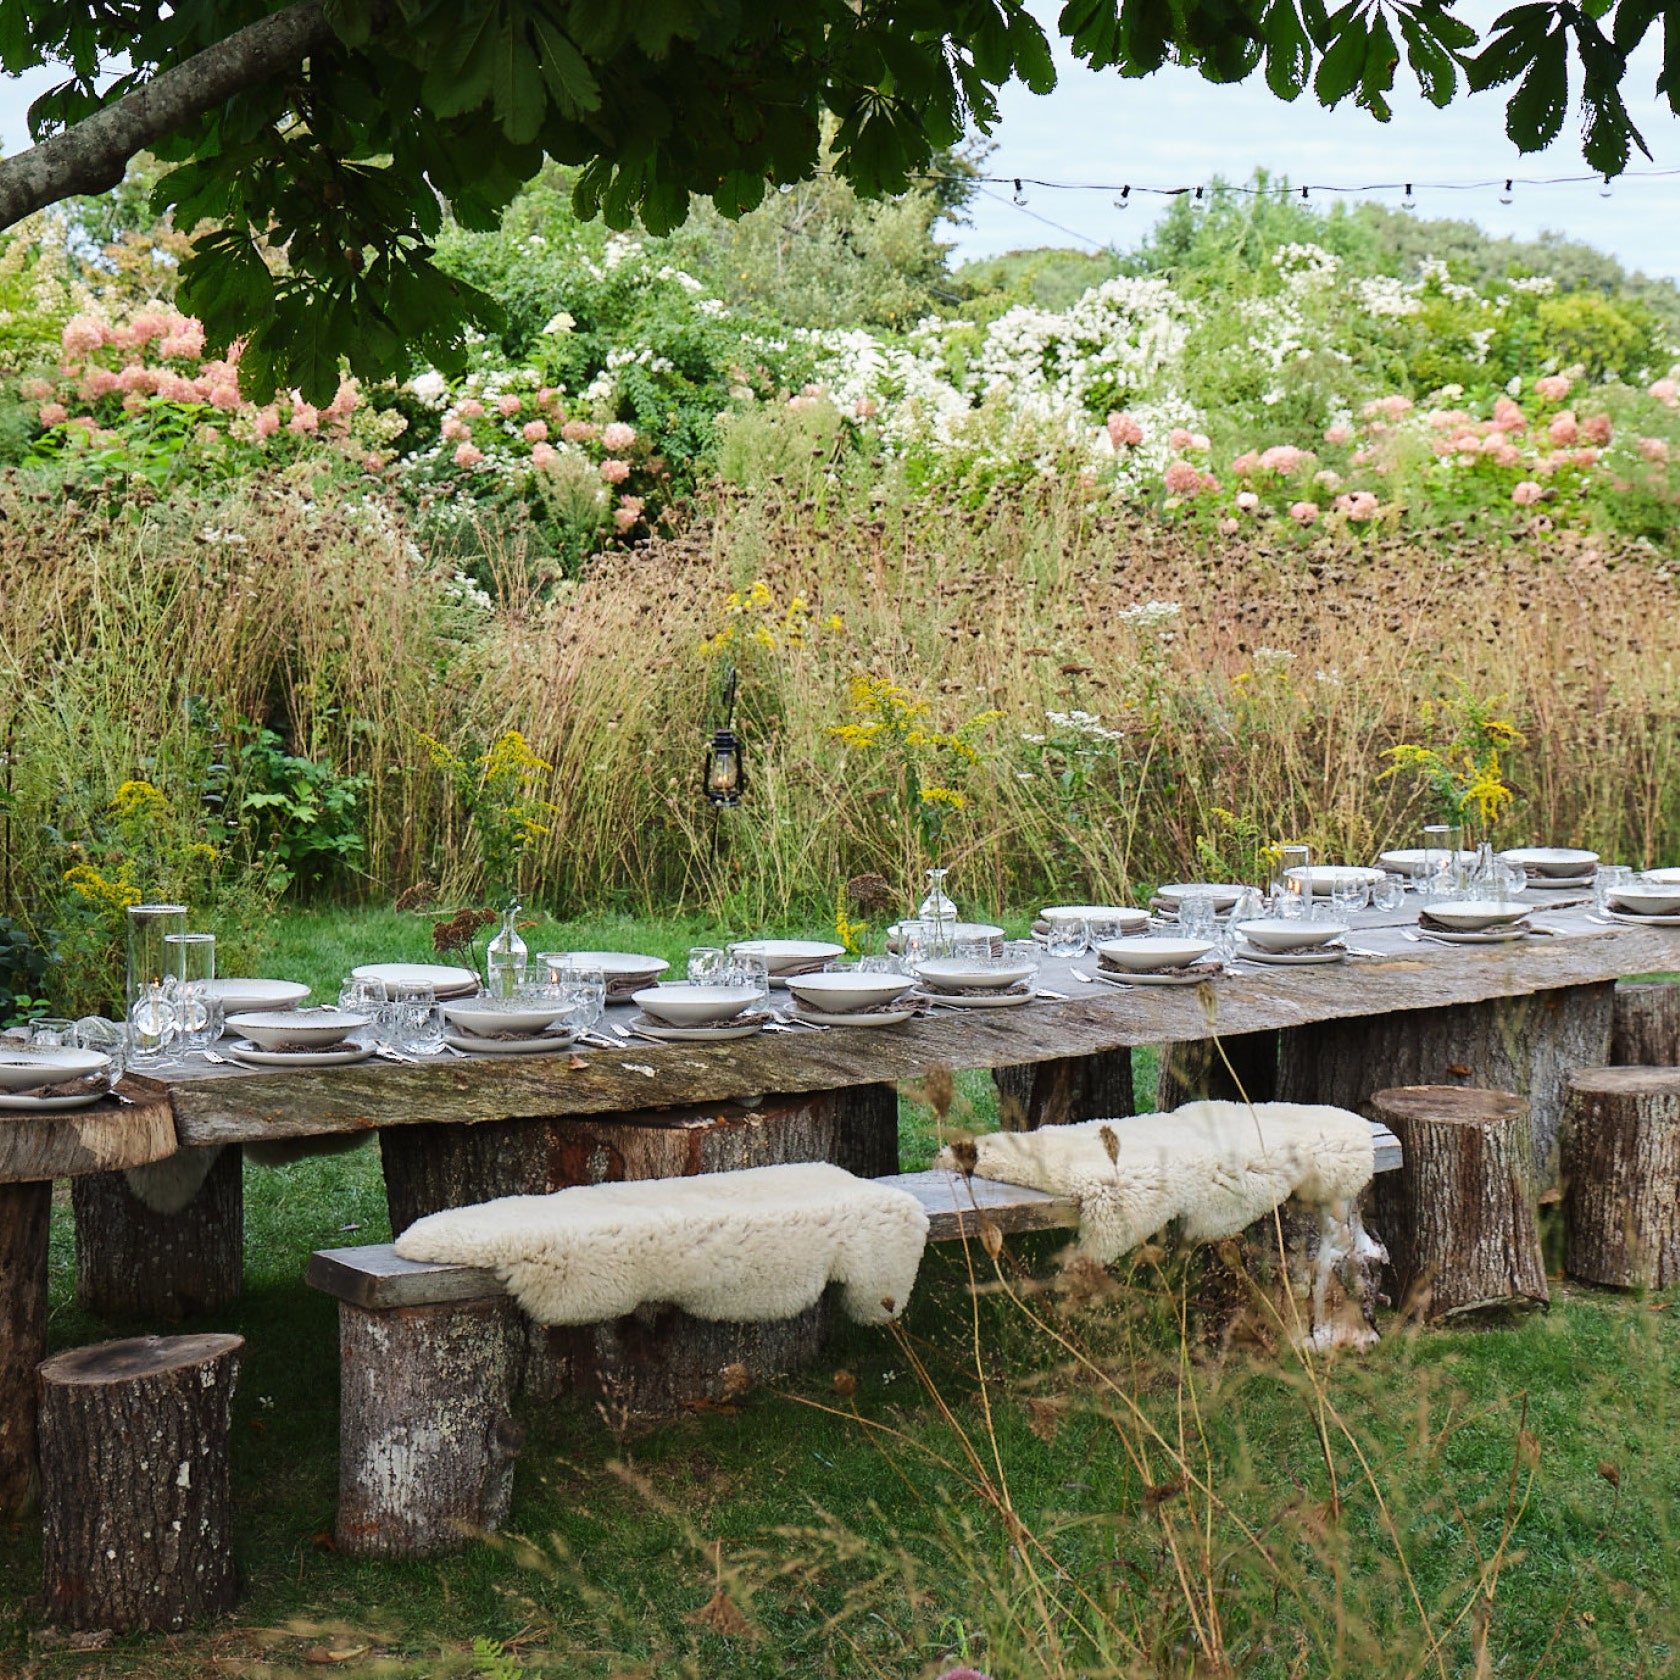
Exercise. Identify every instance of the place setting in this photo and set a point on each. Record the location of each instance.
(53, 1071)
(849, 994)
(700, 1012)
(973, 978)
(1274, 942)
(1651, 899)
(1155, 960)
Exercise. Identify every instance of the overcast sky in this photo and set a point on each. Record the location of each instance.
(1174, 130)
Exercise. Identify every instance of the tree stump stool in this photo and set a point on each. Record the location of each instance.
(1645, 1029)
(1062, 1090)
(1621, 1177)
(179, 1259)
(427, 1441)
(1195, 1070)
(1459, 1216)
(134, 1482)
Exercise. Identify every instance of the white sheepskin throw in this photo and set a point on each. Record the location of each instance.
(758, 1244)
(167, 1186)
(1217, 1166)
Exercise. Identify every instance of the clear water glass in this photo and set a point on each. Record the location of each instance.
(1197, 917)
(917, 941)
(586, 990)
(1286, 858)
(51, 1032)
(974, 950)
(1389, 893)
(1611, 877)
(147, 994)
(706, 963)
(416, 1021)
(1287, 905)
(751, 971)
(879, 965)
(1068, 937)
(1347, 899)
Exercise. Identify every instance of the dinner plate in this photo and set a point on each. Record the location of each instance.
(782, 954)
(1327, 877)
(647, 1028)
(1483, 936)
(445, 981)
(1192, 976)
(1295, 959)
(1642, 921)
(1413, 861)
(617, 966)
(858, 1018)
(1558, 861)
(243, 997)
(1225, 893)
(21, 1102)
(535, 1045)
(957, 932)
(979, 1000)
(340, 1055)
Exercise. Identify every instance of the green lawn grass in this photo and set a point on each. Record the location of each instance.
(855, 1535)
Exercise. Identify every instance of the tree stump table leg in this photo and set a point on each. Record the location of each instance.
(25, 1213)
(427, 1442)
(1529, 1045)
(1196, 1071)
(1065, 1089)
(135, 1483)
(1645, 1029)
(1621, 1177)
(1459, 1216)
(134, 1261)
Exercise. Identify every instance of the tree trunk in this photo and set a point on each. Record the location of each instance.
(1195, 1070)
(1645, 1031)
(25, 1212)
(133, 1262)
(1529, 1045)
(1065, 1089)
(135, 1484)
(433, 1167)
(1621, 1177)
(427, 1441)
(1459, 1215)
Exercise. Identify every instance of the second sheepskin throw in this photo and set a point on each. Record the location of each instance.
(758, 1244)
(1217, 1166)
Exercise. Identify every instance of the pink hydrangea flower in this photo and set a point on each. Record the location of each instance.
(1338, 434)
(1653, 449)
(1247, 501)
(1182, 479)
(1507, 416)
(1303, 513)
(623, 518)
(1282, 458)
(224, 396)
(38, 390)
(99, 382)
(455, 430)
(54, 414)
(534, 431)
(633, 504)
(507, 406)
(266, 423)
(618, 437)
(1527, 493)
(866, 408)
(1180, 439)
(1563, 430)
(1585, 457)
(471, 408)
(1387, 408)
(614, 471)
(468, 455)
(82, 335)
(1359, 506)
(1553, 387)
(1597, 427)
(1123, 431)
(1245, 464)
(1200, 442)
(305, 418)
(544, 455)
(1329, 479)
(545, 396)
(1667, 392)
(577, 431)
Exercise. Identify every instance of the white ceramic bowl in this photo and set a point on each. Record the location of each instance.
(1279, 935)
(973, 974)
(683, 1004)
(1662, 877)
(296, 1029)
(957, 931)
(25, 1070)
(1471, 915)
(1330, 877)
(779, 954)
(486, 1015)
(1414, 861)
(1125, 918)
(1646, 900)
(444, 979)
(1224, 893)
(1139, 956)
(620, 966)
(1552, 860)
(845, 994)
(254, 996)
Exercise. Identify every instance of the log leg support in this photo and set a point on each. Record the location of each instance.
(160, 1262)
(1065, 1089)
(1196, 1070)
(427, 1441)
(136, 1493)
(25, 1210)
(1645, 1031)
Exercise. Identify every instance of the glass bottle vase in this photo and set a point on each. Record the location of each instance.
(506, 956)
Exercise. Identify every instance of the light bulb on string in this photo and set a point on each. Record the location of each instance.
(1196, 203)
(1124, 201)
(1408, 202)
(1303, 195)
(1606, 189)
(1020, 197)
(1506, 196)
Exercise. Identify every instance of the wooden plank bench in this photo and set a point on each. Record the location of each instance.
(431, 1355)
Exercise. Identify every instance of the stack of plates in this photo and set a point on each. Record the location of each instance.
(851, 999)
(1554, 866)
(1650, 901)
(783, 957)
(1474, 922)
(1292, 944)
(244, 997)
(445, 981)
(25, 1074)
(297, 1038)
(494, 1027)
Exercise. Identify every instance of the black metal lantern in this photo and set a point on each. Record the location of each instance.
(725, 778)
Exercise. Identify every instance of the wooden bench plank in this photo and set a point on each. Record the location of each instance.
(954, 1205)
(376, 1276)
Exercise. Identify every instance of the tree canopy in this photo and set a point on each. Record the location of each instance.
(318, 145)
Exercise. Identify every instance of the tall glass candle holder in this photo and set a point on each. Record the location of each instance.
(198, 1012)
(149, 992)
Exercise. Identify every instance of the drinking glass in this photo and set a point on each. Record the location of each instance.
(417, 1022)
(1287, 858)
(1286, 904)
(1197, 918)
(363, 997)
(842, 965)
(1068, 937)
(1250, 906)
(586, 988)
(1346, 900)
(706, 963)
(916, 943)
(745, 969)
(879, 965)
(198, 1011)
(1388, 894)
(1610, 878)
(1510, 880)
(50, 1032)
(975, 950)
(146, 994)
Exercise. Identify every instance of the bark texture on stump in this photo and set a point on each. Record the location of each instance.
(25, 1211)
(1065, 1089)
(1645, 1031)
(1459, 1215)
(1621, 1177)
(1195, 1070)
(1529, 1045)
(132, 1262)
(134, 1482)
(427, 1441)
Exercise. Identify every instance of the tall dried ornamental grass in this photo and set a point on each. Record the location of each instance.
(1261, 709)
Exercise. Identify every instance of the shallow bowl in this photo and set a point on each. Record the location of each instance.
(973, 974)
(683, 1004)
(296, 1029)
(1646, 900)
(1662, 877)
(845, 994)
(617, 967)
(781, 954)
(485, 1016)
(1279, 935)
(254, 996)
(1552, 860)
(1471, 915)
(1139, 956)
(1223, 893)
(1416, 862)
(26, 1070)
(1125, 918)
(1330, 877)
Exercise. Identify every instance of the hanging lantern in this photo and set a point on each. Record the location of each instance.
(725, 777)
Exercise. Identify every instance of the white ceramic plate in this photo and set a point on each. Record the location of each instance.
(445, 981)
(682, 1003)
(1281, 935)
(1473, 915)
(1150, 955)
(842, 994)
(1643, 921)
(980, 1000)
(296, 1029)
(1663, 877)
(340, 1055)
(1552, 860)
(21, 1102)
(1327, 877)
(24, 1069)
(863, 1018)
(1192, 976)
(695, 1035)
(620, 965)
(1478, 936)
(1411, 860)
(484, 1017)
(962, 974)
(536, 1044)
(1557, 883)
(1225, 893)
(244, 996)
(789, 953)
(958, 930)
(1126, 919)
(1645, 901)
(1294, 959)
